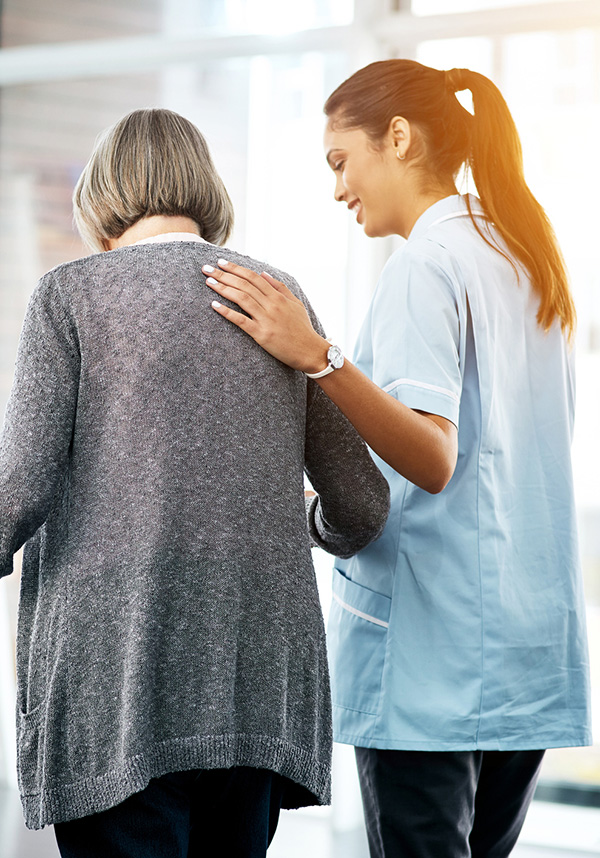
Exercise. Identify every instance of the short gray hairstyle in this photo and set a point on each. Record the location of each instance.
(151, 162)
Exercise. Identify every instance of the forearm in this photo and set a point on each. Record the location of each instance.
(419, 447)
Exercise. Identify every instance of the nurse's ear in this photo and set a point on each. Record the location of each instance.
(399, 136)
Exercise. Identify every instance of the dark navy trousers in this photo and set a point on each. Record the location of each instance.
(232, 812)
(450, 804)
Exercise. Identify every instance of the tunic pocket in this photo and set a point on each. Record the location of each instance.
(357, 637)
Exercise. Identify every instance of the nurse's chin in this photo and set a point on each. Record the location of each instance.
(372, 230)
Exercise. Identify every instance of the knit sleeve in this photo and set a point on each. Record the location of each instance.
(353, 497)
(352, 502)
(39, 419)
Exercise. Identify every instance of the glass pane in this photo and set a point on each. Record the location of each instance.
(273, 16)
(443, 7)
(476, 54)
(254, 16)
(35, 22)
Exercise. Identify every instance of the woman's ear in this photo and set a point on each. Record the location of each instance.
(399, 134)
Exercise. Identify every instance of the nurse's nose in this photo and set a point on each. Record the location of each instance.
(340, 190)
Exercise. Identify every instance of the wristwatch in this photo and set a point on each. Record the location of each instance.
(335, 360)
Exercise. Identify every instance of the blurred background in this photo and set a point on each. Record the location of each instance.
(253, 75)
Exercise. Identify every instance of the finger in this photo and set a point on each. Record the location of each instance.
(215, 276)
(239, 319)
(245, 274)
(237, 296)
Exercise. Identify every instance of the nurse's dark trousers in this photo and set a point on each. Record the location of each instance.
(193, 814)
(450, 804)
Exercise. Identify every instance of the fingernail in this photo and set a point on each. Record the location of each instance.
(223, 262)
(208, 268)
(211, 281)
(215, 304)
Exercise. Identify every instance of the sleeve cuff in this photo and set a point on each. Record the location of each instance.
(310, 504)
(426, 397)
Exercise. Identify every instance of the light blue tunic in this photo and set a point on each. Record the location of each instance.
(463, 626)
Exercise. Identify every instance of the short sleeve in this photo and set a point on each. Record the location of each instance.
(415, 334)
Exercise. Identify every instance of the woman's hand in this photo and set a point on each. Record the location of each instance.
(421, 447)
(276, 319)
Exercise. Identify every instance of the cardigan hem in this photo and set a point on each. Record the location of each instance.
(95, 794)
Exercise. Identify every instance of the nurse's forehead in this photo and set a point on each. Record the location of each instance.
(338, 138)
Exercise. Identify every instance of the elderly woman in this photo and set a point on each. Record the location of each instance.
(173, 690)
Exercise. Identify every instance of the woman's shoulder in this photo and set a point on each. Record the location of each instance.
(69, 276)
(51, 285)
(72, 266)
(257, 265)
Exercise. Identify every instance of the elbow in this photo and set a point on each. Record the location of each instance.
(437, 482)
(376, 515)
(368, 522)
(441, 465)
(436, 487)
(375, 523)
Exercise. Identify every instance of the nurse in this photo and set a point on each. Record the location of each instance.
(457, 640)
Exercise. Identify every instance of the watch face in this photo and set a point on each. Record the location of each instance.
(335, 357)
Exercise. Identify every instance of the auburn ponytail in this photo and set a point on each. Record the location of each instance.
(496, 163)
(487, 142)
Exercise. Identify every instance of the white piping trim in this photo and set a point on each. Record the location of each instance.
(358, 613)
(423, 385)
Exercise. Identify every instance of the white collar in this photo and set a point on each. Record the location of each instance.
(169, 236)
(446, 209)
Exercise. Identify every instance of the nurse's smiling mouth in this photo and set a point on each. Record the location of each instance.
(355, 207)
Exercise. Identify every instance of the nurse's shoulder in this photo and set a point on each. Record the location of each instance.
(417, 273)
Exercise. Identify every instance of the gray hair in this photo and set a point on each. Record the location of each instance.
(151, 162)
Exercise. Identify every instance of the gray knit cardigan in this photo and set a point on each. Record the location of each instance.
(152, 461)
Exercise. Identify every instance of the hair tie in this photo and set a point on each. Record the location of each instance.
(454, 80)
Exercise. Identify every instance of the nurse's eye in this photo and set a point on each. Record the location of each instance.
(338, 166)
